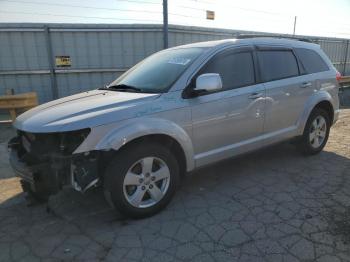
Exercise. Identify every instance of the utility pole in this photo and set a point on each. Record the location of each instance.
(295, 24)
(165, 24)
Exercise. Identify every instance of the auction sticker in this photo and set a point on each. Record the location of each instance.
(179, 61)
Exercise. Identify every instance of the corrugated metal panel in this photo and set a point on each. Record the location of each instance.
(334, 49)
(22, 51)
(96, 50)
(69, 84)
(347, 66)
(100, 49)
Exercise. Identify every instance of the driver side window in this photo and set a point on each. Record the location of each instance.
(236, 69)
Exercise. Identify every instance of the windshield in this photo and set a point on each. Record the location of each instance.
(158, 72)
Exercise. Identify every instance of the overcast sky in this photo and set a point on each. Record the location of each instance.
(321, 17)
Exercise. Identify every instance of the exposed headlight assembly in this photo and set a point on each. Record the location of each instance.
(43, 144)
(69, 141)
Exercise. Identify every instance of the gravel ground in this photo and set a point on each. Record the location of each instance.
(271, 205)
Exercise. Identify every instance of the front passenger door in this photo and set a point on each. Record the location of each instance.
(226, 122)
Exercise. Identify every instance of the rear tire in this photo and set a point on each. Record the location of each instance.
(316, 132)
(141, 179)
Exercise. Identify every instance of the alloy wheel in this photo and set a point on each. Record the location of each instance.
(146, 182)
(318, 131)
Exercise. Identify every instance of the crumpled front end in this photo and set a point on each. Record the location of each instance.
(46, 162)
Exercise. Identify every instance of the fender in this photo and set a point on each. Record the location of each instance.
(309, 106)
(139, 127)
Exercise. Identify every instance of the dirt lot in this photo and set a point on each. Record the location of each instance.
(272, 205)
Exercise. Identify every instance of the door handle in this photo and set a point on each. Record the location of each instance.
(306, 84)
(255, 95)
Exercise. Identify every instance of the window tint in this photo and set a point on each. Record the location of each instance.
(311, 61)
(277, 65)
(236, 69)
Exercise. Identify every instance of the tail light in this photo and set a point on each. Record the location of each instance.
(338, 76)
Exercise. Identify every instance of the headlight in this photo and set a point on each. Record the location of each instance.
(69, 141)
(42, 144)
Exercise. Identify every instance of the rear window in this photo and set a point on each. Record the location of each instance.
(276, 65)
(311, 61)
(236, 69)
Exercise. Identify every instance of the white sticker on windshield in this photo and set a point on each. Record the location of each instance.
(179, 61)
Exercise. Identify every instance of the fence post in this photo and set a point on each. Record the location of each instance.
(165, 24)
(51, 64)
(346, 56)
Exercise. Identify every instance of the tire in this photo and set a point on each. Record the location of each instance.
(34, 197)
(132, 175)
(315, 135)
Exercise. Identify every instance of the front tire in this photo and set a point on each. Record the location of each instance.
(32, 196)
(316, 132)
(141, 179)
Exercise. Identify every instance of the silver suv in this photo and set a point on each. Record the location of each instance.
(177, 110)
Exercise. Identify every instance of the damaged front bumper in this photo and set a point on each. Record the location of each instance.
(25, 172)
(46, 174)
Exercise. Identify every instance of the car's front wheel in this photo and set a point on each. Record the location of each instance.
(141, 179)
(316, 132)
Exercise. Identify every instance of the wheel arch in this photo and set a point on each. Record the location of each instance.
(159, 131)
(328, 107)
(320, 100)
(164, 140)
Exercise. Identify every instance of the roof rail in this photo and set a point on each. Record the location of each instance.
(244, 36)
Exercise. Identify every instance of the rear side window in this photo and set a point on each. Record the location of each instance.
(236, 69)
(276, 65)
(311, 61)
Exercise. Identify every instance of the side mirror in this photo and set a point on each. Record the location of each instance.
(208, 82)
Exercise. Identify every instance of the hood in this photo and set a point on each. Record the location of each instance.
(88, 109)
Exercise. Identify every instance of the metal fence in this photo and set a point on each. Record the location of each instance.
(100, 53)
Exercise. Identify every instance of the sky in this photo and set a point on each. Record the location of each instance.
(313, 17)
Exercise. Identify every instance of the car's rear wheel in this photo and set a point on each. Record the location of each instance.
(316, 132)
(141, 179)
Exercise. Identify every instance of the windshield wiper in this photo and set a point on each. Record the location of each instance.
(122, 87)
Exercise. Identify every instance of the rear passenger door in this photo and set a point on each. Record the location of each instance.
(286, 89)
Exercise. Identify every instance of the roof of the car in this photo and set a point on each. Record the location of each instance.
(252, 41)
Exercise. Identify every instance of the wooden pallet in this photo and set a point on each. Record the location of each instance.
(21, 102)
